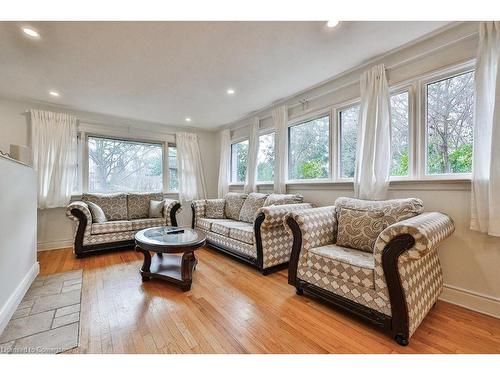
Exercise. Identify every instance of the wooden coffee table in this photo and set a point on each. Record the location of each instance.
(168, 264)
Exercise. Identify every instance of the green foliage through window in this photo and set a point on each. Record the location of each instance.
(309, 149)
(239, 161)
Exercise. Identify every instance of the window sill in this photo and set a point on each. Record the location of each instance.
(428, 184)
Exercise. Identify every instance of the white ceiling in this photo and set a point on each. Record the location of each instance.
(166, 71)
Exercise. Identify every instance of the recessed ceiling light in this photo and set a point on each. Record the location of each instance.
(230, 91)
(188, 119)
(332, 23)
(32, 33)
(54, 93)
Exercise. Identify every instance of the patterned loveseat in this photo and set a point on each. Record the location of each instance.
(376, 259)
(125, 214)
(249, 227)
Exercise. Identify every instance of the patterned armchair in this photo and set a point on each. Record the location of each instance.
(125, 214)
(394, 282)
(249, 227)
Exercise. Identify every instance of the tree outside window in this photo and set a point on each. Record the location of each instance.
(349, 118)
(265, 158)
(239, 161)
(400, 134)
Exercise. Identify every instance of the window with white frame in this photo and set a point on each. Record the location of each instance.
(309, 149)
(173, 180)
(348, 130)
(265, 158)
(116, 165)
(400, 130)
(239, 161)
(449, 124)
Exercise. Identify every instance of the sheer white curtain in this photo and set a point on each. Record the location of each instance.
(190, 169)
(485, 202)
(253, 150)
(280, 118)
(373, 151)
(224, 161)
(54, 147)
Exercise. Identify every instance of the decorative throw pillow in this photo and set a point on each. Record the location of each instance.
(214, 208)
(359, 229)
(97, 213)
(253, 202)
(280, 199)
(232, 207)
(113, 205)
(138, 204)
(156, 208)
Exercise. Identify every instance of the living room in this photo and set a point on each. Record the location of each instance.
(301, 186)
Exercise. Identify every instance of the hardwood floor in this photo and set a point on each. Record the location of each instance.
(232, 308)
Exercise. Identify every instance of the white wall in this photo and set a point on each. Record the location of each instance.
(18, 265)
(54, 229)
(470, 260)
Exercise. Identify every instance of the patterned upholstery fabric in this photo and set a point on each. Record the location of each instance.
(276, 245)
(199, 209)
(232, 244)
(224, 226)
(111, 227)
(351, 265)
(167, 208)
(113, 205)
(394, 209)
(155, 209)
(96, 239)
(206, 224)
(234, 202)
(139, 224)
(359, 229)
(138, 204)
(253, 202)
(214, 208)
(82, 206)
(279, 199)
(419, 267)
(274, 215)
(243, 233)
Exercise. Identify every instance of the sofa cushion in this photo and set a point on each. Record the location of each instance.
(243, 233)
(350, 265)
(394, 209)
(111, 227)
(359, 229)
(113, 205)
(232, 207)
(214, 208)
(138, 224)
(206, 224)
(224, 226)
(280, 199)
(155, 209)
(253, 202)
(98, 215)
(138, 204)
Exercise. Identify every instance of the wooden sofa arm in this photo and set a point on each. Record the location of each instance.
(81, 209)
(198, 209)
(170, 209)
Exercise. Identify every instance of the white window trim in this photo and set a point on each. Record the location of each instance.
(166, 176)
(307, 117)
(261, 133)
(233, 142)
(338, 109)
(84, 155)
(421, 152)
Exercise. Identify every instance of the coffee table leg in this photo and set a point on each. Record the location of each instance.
(146, 264)
(188, 263)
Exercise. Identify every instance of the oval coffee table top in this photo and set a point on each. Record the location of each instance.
(159, 239)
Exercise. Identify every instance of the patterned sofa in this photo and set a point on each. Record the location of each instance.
(392, 278)
(125, 215)
(249, 227)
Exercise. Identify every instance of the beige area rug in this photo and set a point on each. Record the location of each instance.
(48, 318)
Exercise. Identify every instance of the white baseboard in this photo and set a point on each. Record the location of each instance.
(52, 245)
(15, 299)
(471, 300)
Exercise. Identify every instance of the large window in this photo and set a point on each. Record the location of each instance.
(309, 145)
(120, 165)
(449, 124)
(400, 133)
(173, 181)
(239, 161)
(265, 158)
(348, 122)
